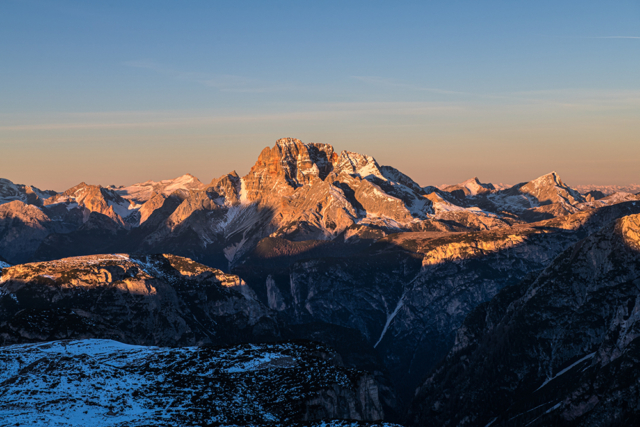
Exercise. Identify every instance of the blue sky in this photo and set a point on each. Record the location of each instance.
(116, 92)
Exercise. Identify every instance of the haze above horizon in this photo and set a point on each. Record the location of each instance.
(124, 92)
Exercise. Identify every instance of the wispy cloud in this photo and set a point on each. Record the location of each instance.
(559, 101)
(613, 37)
(221, 82)
(583, 99)
(191, 119)
(596, 37)
(395, 83)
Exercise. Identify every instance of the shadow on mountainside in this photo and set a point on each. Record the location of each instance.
(408, 309)
(192, 237)
(560, 348)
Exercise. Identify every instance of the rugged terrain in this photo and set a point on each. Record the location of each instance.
(311, 243)
(408, 293)
(150, 300)
(560, 348)
(103, 382)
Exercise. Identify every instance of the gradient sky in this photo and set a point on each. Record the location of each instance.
(118, 92)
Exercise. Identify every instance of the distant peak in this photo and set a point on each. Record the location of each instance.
(185, 177)
(551, 177)
(288, 141)
(473, 180)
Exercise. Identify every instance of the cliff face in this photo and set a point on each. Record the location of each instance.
(409, 292)
(151, 300)
(560, 347)
(84, 382)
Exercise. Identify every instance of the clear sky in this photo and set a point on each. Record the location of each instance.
(117, 92)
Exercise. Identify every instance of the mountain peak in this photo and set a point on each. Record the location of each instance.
(285, 142)
(471, 187)
(549, 188)
(288, 165)
(550, 178)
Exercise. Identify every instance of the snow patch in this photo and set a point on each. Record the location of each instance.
(565, 370)
(243, 192)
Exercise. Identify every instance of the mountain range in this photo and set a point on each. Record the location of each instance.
(427, 289)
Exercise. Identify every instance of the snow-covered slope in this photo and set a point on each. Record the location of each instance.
(142, 192)
(107, 383)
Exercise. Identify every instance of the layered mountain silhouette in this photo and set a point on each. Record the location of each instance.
(426, 288)
(295, 191)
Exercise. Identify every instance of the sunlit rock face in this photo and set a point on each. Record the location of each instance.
(151, 300)
(329, 244)
(560, 347)
(94, 198)
(297, 191)
(92, 381)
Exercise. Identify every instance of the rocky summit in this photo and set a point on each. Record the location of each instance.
(471, 304)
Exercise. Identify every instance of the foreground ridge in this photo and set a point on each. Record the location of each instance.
(82, 382)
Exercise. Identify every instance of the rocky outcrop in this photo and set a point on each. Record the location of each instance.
(150, 300)
(93, 381)
(559, 348)
(285, 167)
